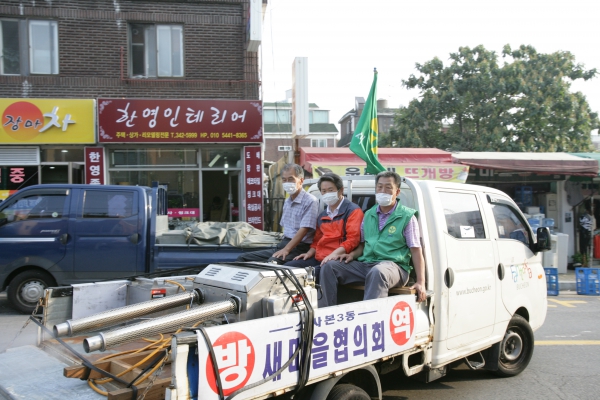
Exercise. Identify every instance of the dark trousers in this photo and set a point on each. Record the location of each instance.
(266, 255)
(585, 238)
(310, 262)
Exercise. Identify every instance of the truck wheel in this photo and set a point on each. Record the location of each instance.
(25, 289)
(516, 348)
(346, 391)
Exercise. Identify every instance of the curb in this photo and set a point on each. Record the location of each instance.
(567, 285)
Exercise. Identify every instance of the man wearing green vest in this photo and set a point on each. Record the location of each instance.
(389, 239)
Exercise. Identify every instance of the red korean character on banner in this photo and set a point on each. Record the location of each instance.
(445, 173)
(235, 358)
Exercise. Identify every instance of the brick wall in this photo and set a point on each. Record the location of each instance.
(93, 32)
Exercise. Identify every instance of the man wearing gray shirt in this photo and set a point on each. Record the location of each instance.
(299, 220)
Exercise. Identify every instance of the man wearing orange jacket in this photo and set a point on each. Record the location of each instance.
(338, 226)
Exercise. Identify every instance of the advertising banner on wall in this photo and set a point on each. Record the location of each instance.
(47, 121)
(253, 186)
(179, 121)
(15, 178)
(447, 173)
(94, 165)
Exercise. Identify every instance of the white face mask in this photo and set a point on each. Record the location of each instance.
(290, 188)
(383, 199)
(330, 198)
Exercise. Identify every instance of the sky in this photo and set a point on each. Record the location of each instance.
(345, 39)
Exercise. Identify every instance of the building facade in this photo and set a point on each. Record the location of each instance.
(385, 119)
(278, 130)
(165, 91)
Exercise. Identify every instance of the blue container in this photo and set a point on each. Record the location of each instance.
(551, 281)
(588, 281)
(524, 195)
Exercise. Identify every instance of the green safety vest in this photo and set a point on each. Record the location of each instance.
(388, 244)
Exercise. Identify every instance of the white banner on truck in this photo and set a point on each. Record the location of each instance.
(344, 336)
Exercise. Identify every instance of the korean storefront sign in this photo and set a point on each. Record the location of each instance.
(447, 173)
(253, 186)
(15, 178)
(179, 121)
(94, 165)
(47, 121)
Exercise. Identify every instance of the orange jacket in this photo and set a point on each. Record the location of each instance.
(342, 230)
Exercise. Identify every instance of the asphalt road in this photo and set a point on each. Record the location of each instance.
(565, 363)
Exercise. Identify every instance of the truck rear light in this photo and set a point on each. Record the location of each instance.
(158, 293)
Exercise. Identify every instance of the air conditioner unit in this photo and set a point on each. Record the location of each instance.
(284, 148)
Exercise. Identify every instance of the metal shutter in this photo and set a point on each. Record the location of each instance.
(19, 156)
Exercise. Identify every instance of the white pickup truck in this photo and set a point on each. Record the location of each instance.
(263, 336)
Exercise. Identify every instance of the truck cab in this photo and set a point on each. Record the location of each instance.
(47, 230)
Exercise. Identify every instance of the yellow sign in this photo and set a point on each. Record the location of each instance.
(32, 121)
(447, 173)
(5, 193)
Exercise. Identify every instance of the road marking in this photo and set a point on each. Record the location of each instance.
(552, 305)
(567, 342)
(568, 303)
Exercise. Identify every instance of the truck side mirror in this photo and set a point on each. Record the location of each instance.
(543, 239)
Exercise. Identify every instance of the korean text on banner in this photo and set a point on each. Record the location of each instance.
(344, 336)
(44, 121)
(179, 121)
(446, 173)
(253, 186)
(94, 165)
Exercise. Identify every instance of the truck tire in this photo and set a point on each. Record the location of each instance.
(346, 391)
(516, 348)
(25, 289)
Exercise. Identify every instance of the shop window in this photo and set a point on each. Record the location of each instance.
(28, 47)
(153, 157)
(221, 157)
(156, 50)
(463, 216)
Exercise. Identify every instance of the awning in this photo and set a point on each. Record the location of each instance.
(590, 156)
(540, 163)
(343, 156)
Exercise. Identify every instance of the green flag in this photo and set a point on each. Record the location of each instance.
(364, 141)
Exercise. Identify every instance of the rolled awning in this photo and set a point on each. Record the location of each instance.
(540, 163)
(343, 156)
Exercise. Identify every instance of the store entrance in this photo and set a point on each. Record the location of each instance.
(69, 172)
(220, 196)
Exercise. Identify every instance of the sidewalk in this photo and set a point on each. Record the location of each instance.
(567, 281)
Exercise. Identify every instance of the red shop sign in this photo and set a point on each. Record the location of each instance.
(179, 121)
(94, 165)
(253, 186)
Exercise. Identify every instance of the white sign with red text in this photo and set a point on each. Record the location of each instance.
(344, 336)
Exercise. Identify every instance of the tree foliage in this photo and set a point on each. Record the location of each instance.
(476, 104)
